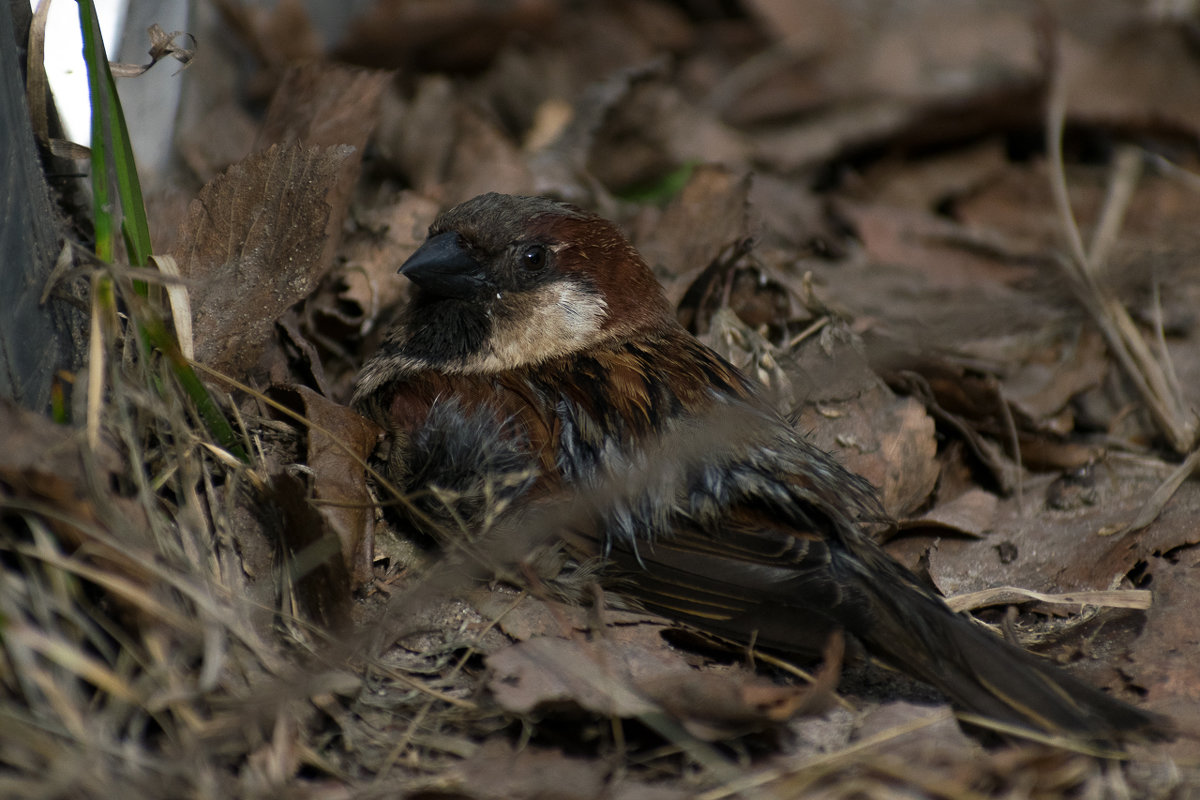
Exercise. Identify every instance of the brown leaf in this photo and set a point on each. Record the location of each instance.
(811, 142)
(742, 346)
(718, 704)
(338, 444)
(970, 513)
(922, 735)
(440, 141)
(708, 215)
(387, 236)
(847, 410)
(655, 129)
(320, 104)
(441, 35)
(793, 217)
(886, 75)
(49, 465)
(547, 673)
(283, 33)
(619, 675)
(497, 771)
(363, 288)
(788, 78)
(935, 252)
(253, 246)
(935, 183)
(1164, 662)
(964, 403)
(1050, 550)
(481, 140)
(416, 135)
(532, 618)
(304, 364)
(317, 580)
(1040, 389)
(560, 164)
(215, 137)
(1121, 70)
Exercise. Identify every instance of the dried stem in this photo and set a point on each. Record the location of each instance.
(1166, 406)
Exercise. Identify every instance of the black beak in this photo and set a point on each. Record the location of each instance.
(443, 267)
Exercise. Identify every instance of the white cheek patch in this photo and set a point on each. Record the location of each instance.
(563, 317)
(580, 313)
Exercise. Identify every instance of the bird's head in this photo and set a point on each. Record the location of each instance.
(503, 282)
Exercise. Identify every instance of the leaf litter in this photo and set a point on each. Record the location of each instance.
(872, 221)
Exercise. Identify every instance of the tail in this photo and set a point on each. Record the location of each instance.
(792, 604)
(987, 676)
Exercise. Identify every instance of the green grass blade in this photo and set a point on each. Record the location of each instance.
(118, 203)
(161, 338)
(104, 214)
(114, 173)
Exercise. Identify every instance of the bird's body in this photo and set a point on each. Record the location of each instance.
(538, 343)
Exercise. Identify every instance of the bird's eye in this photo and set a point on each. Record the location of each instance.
(533, 257)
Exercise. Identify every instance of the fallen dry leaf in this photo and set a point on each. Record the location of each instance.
(715, 705)
(416, 134)
(440, 35)
(253, 246)
(532, 618)
(706, 217)
(627, 679)
(1164, 662)
(560, 166)
(316, 578)
(548, 673)
(656, 129)
(339, 441)
(1119, 68)
(481, 140)
(281, 34)
(971, 514)
(50, 466)
(498, 771)
(343, 316)
(845, 409)
(319, 104)
(786, 219)
(938, 738)
(1051, 550)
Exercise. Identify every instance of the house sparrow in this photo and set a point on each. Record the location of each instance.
(538, 358)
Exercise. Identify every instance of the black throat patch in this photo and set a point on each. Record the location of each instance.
(445, 331)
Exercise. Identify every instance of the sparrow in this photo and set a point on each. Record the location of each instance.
(538, 357)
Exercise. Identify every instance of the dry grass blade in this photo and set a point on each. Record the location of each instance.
(128, 636)
(805, 773)
(98, 346)
(1154, 505)
(181, 305)
(73, 659)
(1152, 378)
(1004, 595)
(119, 585)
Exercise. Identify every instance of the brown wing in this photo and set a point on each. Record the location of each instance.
(750, 583)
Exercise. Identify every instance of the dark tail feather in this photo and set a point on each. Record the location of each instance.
(794, 607)
(992, 678)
